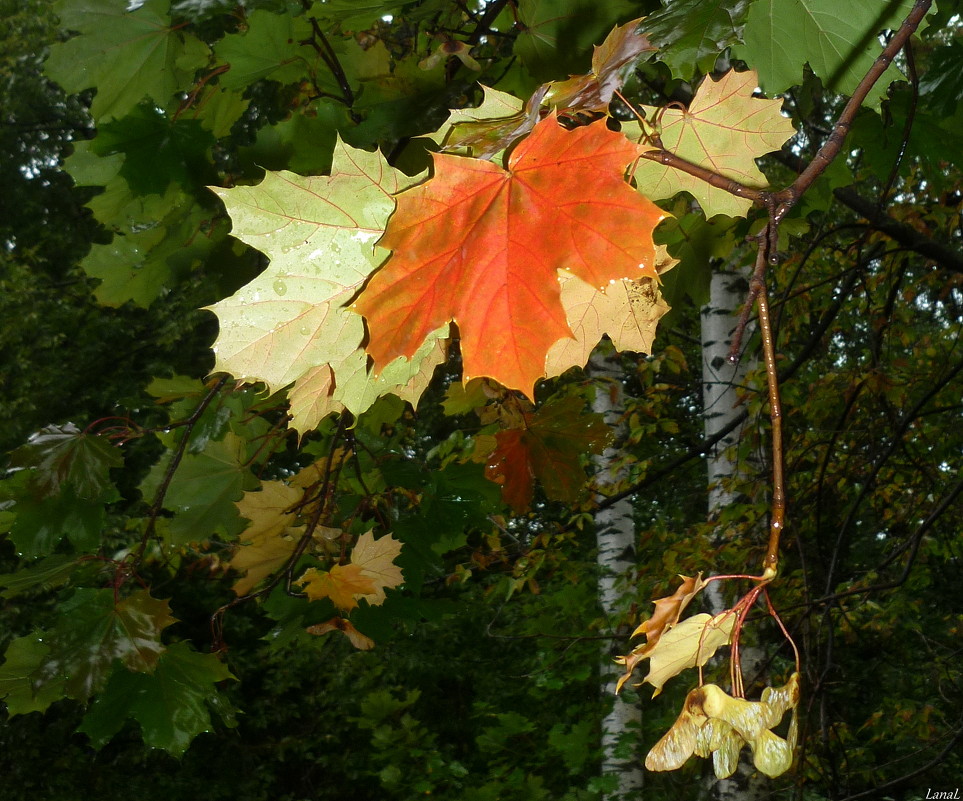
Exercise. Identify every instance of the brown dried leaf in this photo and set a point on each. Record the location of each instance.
(668, 609)
(611, 62)
(356, 638)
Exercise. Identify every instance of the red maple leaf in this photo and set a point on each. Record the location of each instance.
(482, 246)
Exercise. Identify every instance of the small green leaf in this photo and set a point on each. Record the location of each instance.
(46, 574)
(574, 743)
(691, 34)
(269, 48)
(39, 526)
(65, 457)
(21, 682)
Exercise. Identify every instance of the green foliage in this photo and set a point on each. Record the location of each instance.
(837, 42)
(119, 501)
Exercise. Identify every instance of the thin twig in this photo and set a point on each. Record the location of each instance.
(176, 457)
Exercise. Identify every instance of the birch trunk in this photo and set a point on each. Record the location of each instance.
(720, 382)
(615, 536)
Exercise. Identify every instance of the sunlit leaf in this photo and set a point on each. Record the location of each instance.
(725, 129)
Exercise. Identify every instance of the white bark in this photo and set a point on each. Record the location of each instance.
(720, 381)
(615, 536)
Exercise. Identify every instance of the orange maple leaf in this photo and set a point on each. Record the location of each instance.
(482, 246)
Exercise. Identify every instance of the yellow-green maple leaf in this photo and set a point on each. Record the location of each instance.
(291, 322)
(725, 129)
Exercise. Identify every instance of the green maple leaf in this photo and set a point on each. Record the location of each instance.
(837, 40)
(203, 491)
(64, 457)
(40, 525)
(692, 33)
(156, 149)
(172, 704)
(269, 48)
(291, 324)
(94, 631)
(357, 14)
(47, 573)
(157, 238)
(21, 677)
(127, 55)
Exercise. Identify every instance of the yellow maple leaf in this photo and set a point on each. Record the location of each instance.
(691, 643)
(370, 572)
(376, 559)
(665, 616)
(343, 584)
(271, 538)
(627, 310)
